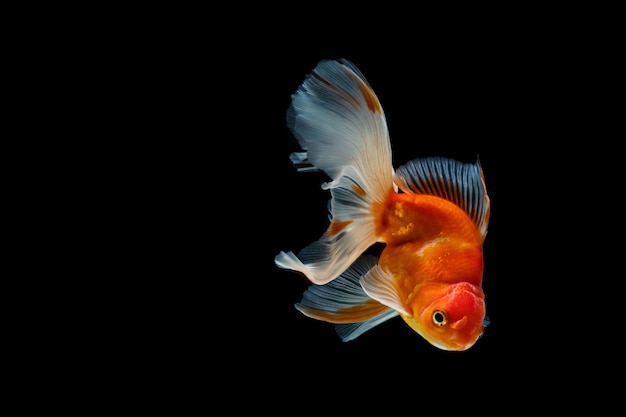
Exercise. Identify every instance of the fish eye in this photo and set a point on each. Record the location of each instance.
(439, 318)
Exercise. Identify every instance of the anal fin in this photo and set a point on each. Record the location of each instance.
(344, 303)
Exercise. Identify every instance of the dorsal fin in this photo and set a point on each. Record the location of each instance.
(460, 183)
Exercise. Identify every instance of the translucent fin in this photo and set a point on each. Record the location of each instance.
(351, 331)
(350, 233)
(461, 183)
(343, 301)
(340, 125)
(339, 122)
(381, 286)
(301, 161)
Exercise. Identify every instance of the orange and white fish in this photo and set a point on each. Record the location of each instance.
(431, 214)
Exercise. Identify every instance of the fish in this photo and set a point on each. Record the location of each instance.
(429, 217)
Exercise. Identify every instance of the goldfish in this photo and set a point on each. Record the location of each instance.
(430, 216)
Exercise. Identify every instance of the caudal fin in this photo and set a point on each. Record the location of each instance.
(341, 128)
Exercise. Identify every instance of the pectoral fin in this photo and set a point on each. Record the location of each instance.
(381, 286)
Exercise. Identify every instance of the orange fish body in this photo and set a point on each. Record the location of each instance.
(433, 249)
(431, 214)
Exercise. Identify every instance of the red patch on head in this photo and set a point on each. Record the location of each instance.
(466, 301)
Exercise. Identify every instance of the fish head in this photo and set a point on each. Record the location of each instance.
(449, 316)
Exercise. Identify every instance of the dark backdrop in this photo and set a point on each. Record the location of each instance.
(229, 201)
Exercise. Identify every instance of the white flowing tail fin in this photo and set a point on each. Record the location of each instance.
(341, 127)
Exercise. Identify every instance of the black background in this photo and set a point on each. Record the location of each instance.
(176, 193)
(229, 201)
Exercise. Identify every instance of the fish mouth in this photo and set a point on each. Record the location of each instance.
(456, 342)
(460, 346)
(453, 346)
